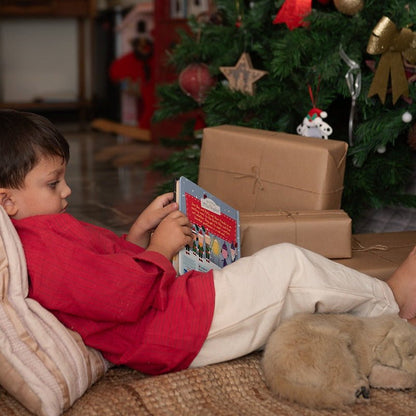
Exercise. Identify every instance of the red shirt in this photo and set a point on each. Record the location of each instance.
(123, 300)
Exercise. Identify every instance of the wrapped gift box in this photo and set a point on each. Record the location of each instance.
(259, 170)
(325, 232)
(380, 254)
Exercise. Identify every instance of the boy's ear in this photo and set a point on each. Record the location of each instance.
(7, 202)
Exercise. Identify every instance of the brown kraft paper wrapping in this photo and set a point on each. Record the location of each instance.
(380, 254)
(325, 232)
(259, 170)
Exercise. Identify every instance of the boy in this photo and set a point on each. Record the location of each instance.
(121, 294)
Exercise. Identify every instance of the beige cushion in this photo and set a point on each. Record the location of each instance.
(44, 365)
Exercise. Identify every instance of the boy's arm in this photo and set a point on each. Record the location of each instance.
(150, 218)
(81, 270)
(172, 234)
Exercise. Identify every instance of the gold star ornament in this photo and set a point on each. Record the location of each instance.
(242, 76)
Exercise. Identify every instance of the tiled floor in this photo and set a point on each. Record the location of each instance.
(111, 183)
(107, 190)
(390, 219)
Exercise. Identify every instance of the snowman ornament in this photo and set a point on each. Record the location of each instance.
(314, 126)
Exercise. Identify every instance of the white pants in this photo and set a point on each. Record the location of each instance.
(256, 293)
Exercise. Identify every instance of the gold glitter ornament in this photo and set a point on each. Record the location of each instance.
(349, 7)
(389, 41)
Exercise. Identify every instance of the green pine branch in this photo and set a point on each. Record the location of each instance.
(294, 60)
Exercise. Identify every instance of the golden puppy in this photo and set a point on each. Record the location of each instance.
(330, 360)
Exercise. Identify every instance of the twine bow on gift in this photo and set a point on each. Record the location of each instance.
(256, 175)
(292, 215)
(392, 44)
(361, 247)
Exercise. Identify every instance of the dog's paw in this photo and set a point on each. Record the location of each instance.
(363, 392)
(382, 376)
(346, 394)
(361, 389)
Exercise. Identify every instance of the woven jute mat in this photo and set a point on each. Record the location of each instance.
(234, 388)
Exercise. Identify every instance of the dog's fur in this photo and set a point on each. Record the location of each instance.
(330, 360)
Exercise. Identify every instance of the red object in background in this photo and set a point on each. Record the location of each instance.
(292, 13)
(199, 122)
(166, 36)
(195, 81)
(130, 67)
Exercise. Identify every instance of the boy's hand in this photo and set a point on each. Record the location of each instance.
(150, 218)
(173, 233)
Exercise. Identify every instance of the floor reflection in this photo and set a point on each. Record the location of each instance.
(110, 177)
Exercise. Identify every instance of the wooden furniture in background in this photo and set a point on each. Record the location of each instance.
(81, 10)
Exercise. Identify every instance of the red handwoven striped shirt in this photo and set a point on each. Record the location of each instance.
(123, 300)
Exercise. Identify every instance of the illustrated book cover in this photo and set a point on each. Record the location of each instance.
(216, 226)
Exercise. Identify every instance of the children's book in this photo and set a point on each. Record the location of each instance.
(215, 224)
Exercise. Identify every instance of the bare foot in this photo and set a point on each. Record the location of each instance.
(412, 321)
(403, 285)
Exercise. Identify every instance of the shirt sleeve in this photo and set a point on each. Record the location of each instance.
(86, 271)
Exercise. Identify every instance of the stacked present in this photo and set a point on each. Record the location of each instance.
(288, 188)
(258, 170)
(326, 232)
(380, 254)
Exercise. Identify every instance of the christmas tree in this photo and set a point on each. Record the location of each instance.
(351, 59)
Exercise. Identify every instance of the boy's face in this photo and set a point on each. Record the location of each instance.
(45, 190)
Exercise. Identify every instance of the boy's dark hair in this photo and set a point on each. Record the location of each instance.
(24, 138)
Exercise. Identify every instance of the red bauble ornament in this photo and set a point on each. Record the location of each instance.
(195, 81)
